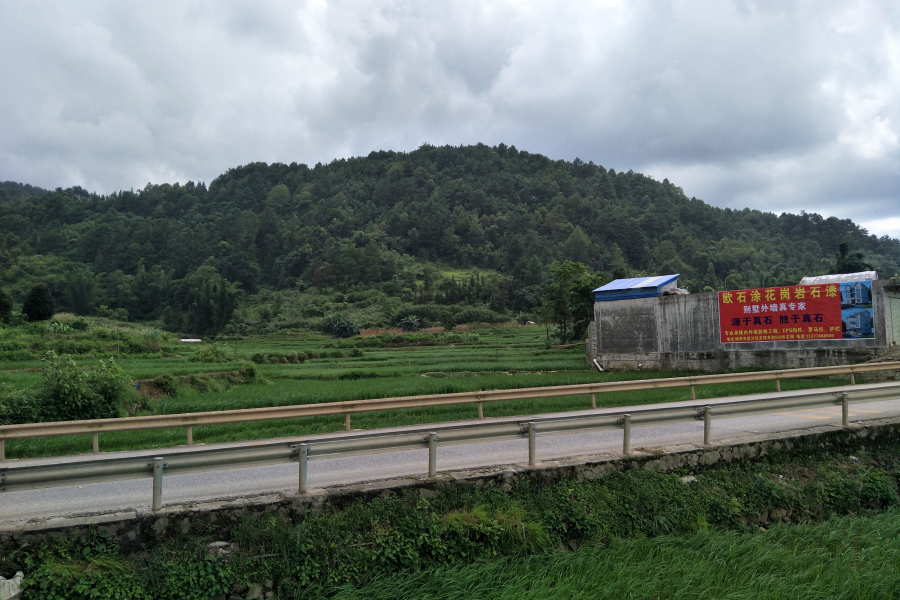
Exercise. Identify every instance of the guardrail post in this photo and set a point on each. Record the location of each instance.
(303, 459)
(2, 449)
(693, 393)
(852, 378)
(158, 464)
(347, 422)
(532, 450)
(593, 400)
(96, 440)
(778, 385)
(845, 409)
(432, 454)
(481, 410)
(626, 438)
(707, 425)
(190, 435)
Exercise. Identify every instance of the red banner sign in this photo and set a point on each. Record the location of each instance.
(797, 312)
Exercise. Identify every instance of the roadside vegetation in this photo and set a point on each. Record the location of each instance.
(818, 523)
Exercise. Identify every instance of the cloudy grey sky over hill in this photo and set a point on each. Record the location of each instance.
(776, 105)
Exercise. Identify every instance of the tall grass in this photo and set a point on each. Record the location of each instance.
(849, 557)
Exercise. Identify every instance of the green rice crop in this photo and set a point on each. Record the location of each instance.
(499, 358)
(848, 557)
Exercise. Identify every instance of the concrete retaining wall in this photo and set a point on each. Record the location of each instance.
(682, 333)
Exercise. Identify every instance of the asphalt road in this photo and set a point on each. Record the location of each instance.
(135, 495)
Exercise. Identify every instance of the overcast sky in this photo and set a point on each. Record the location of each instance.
(776, 105)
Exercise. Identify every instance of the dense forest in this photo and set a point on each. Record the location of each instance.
(472, 228)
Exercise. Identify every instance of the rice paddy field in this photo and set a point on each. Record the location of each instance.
(304, 368)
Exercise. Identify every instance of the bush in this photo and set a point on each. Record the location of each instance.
(70, 394)
(340, 326)
(168, 384)
(155, 339)
(18, 406)
(479, 315)
(58, 327)
(448, 321)
(210, 353)
(409, 323)
(79, 325)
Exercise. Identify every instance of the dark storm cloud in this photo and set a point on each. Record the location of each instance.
(774, 105)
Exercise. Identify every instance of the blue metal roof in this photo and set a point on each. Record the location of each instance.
(638, 282)
(629, 289)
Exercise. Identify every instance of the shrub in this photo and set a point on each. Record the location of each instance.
(474, 314)
(58, 327)
(409, 323)
(448, 321)
(71, 394)
(18, 406)
(79, 325)
(155, 339)
(38, 305)
(168, 384)
(250, 373)
(340, 326)
(210, 353)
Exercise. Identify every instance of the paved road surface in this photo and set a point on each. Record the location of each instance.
(121, 496)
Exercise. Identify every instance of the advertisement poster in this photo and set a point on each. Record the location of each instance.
(857, 318)
(791, 313)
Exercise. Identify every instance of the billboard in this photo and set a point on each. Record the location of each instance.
(789, 313)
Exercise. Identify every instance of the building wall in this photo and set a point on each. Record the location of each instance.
(682, 332)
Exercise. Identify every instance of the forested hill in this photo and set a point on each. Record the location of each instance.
(376, 221)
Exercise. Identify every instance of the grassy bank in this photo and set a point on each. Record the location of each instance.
(815, 524)
(845, 557)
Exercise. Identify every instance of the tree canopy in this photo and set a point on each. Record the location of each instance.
(187, 254)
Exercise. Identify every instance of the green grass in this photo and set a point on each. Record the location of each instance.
(490, 359)
(849, 557)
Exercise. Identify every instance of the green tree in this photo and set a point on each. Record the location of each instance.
(577, 247)
(80, 291)
(568, 302)
(848, 262)
(238, 330)
(211, 300)
(448, 321)
(734, 281)
(5, 306)
(38, 305)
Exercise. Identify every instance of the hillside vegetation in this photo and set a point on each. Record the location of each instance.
(468, 228)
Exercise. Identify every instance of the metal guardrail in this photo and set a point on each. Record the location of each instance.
(432, 436)
(190, 420)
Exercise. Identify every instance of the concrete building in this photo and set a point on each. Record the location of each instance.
(681, 332)
(859, 323)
